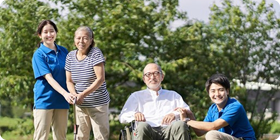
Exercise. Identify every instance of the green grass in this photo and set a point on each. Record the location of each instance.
(5, 121)
(8, 136)
(16, 128)
(22, 129)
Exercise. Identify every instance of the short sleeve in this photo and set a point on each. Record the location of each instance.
(68, 62)
(39, 64)
(210, 116)
(232, 114)
(96, 56)
(207, 118)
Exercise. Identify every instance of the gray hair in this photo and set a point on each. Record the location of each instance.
(159, 68)
(89, 31)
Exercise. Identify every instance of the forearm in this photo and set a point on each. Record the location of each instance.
(100, 78)
(129, 109)
(71, 87)
(93, 87)
(190, 115)
(55, 85)
(199, 132)
(200, 125)
(126, 117)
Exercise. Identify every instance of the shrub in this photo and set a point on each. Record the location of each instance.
(275, 128)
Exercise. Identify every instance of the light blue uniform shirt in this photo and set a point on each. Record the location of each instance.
(44, 61)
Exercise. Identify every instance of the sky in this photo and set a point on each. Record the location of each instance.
(200, 9)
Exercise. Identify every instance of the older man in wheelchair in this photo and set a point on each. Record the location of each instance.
(152, 110)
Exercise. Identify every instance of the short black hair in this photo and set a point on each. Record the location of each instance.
(218, 79)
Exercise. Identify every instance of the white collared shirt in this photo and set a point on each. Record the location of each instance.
(152, 106)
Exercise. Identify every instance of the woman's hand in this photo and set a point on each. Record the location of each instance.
(69, 98)
(79, 98)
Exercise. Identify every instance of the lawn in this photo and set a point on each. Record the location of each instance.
(16, 128)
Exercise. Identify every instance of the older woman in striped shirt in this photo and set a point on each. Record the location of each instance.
(85, 78)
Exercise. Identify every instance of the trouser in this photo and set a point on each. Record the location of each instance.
(45, 118)
(95, 118)
(217, 135)
(177, 130)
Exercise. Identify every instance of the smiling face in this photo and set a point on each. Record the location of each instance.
(82, 40)
(48, 35)
(218, 94)
(153, 76)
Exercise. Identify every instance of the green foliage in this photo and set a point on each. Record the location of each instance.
(275, 128)
(16, 126)
(248, 51)
(240, 42)
(116, 126)
(125, 31)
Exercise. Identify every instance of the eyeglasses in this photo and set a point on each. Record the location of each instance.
(155, 74)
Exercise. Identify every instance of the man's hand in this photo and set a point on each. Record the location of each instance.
(185, 113)
(168, 119)
(139, 117)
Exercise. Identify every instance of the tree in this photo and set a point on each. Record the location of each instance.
(130, 34)
(247, 38)
(236, 42)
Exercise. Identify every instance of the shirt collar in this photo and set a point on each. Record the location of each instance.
(228, 102)
(48, 50)
(155, 92)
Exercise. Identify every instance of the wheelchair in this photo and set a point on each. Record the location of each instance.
(127, 132)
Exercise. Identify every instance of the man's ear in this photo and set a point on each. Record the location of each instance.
(162, 76)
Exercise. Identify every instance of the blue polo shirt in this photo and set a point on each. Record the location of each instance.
(235, 115)
(44, 61)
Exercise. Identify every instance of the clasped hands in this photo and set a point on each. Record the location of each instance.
(184, 113)
(73, 98)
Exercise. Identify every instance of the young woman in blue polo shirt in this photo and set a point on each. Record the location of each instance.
(51, 100)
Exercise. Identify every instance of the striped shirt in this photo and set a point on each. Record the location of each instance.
(83, 75)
